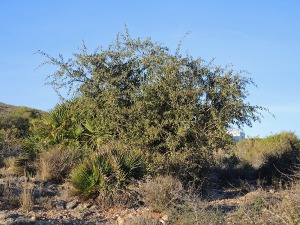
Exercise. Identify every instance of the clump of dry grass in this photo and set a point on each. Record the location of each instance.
(45, 202)
(161, 192)
(197, 211)
(26, 198)
(9, 198)
(55, 164)
(12, 167)
(166, 194)
(141, 220)
(118, 199)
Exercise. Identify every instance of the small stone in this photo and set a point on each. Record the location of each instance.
(272, 191)
(165, 217)
(84, 205)
(120, 221)
(162, 221)
(61, 205)
(33, 218)
(72, 204)
(2, 215)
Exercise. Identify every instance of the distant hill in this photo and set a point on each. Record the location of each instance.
(6, 109)
(10, 110)
(17, 116)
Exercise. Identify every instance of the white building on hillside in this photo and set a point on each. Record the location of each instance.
(237, 135)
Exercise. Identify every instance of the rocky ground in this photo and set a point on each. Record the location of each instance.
(48, 203)
(57, 208)
(78, 215)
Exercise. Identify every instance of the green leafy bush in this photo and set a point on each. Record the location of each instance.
(270, 156)
(110, 168)
(190, 166)
(87, 178)
(141, 93)
(131, 162)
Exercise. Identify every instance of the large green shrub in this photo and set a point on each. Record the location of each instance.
(189, 166)
(258, 151)
(143, 92)
(146, 96)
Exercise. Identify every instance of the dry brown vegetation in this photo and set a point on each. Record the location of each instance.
(55, 164)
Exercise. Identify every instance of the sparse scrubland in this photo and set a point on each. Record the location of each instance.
(143, 140)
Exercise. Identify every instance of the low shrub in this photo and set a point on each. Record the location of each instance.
(189, 166)
(9, 197)
(161, 192)
(10, 144)
(270, 156)
(87, 178)
(131, 162)
(166, 194)
(109, 168)
(56, 163)
(196, 211)
(26, 198)
(142, 220)
(117, 198)
(258, 151)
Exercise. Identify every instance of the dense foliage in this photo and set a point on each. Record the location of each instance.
(175, 108)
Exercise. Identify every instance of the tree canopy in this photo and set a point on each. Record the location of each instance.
(142, 93)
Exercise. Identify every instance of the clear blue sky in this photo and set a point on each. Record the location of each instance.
(262, 37)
